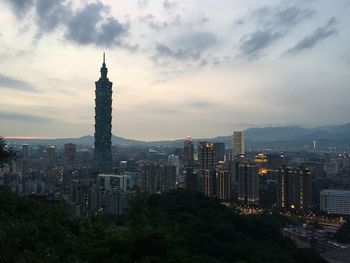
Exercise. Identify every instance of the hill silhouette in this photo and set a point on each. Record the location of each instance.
(256, 138)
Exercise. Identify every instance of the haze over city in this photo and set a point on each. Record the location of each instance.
(178, 67)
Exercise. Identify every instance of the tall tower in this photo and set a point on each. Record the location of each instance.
(294, 188)
(238, 143)
(248, 182)
(188, 154)
(103, 122)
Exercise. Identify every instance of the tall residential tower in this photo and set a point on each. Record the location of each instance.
(103, 122)
(238, 143)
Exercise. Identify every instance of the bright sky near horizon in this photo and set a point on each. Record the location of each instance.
(202, 67)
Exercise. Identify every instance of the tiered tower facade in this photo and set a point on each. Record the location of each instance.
(103, 122)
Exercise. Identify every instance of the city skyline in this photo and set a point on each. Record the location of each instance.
(175, 65)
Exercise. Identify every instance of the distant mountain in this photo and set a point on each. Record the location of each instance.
(274, 133)
(268, 137)
(85, 140)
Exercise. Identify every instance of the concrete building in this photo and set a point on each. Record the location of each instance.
(223, 184)
(238, 143)
(294, 188)
(219, 148)
(248, 182)
(69, 155)
(188, 154)
(25, 151)
(110, 182)
(191, 179)
(335, 202)
(207, 164)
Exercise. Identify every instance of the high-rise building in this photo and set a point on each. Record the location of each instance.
(167, 177)
(173, 160)
(113, 182)
(335, 202)
(207, 163)
(248, 182)
(219, 148)
(69, 155)
(294, 188)
(188, 155)
(103, 122)
(191, 176)
(238, 143)
(191, 179)
(51, 153)
(224, 184)
(206, 155)
(25, 151)
(149, 178)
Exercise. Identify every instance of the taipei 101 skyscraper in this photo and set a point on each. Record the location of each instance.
(103, 122)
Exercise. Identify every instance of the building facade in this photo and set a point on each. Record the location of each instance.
(207, 163)
(103, 122)
(248, 182)
(188, 155)
(294, 188)
(335, 202)
(238, 143)
(69, 155)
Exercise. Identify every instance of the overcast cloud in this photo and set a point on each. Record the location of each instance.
(200, 68)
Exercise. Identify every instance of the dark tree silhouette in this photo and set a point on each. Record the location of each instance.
(6, 154)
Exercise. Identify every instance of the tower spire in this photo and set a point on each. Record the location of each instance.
(104, 69)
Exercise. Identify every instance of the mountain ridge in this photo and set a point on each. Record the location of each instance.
(265, 135)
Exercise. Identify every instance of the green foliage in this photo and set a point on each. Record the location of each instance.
(179, 226)
(6, 154)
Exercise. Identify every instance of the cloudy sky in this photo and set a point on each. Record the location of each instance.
(201, 67)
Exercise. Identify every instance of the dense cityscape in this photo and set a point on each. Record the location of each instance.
(174, 131)
(309, 186)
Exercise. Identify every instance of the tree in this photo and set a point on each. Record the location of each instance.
(6, 154)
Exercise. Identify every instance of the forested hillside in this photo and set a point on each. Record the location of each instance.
(179, 226)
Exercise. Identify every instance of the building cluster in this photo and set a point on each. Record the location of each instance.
(103, 178)
(233, 175)
(307, 236)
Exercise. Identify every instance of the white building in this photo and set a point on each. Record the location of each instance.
(335, 202)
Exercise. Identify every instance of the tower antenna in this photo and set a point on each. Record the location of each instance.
(104, 61)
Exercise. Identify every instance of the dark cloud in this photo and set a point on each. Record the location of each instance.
(23, 117)
(86, 26)
(179, 53)
(11, 83)
(290, 16)
(188, 46)
(82, 26)
(91, 24)
(251, 45)
(317, 36)
(273, 22)
(20, 7)
(50, 14)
